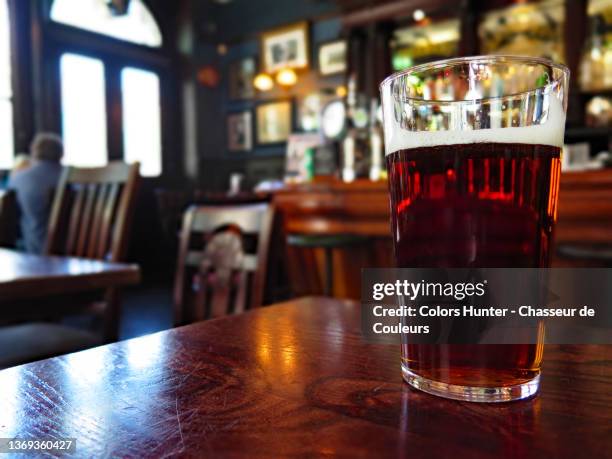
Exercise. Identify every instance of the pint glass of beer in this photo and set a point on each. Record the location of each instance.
(473, 155)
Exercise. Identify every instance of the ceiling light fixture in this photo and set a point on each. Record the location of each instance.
(286, 77)
(263, 82)
(418, 15)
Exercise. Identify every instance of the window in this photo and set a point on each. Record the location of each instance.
(136, 26)
(83, 111)
(142, 120)
(100, 84)
(7, 146)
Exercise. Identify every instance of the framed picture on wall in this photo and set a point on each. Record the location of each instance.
(241, 76)
(286, 47)
(332, 57)
(274, 121)
(240, 131)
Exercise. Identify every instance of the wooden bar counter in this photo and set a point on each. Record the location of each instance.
(335, 208)
(585, 208)
(362, 208)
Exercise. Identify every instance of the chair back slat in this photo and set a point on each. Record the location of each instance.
(96, 207)
(76, 215)
(110, 206)
(222, 260)
(113, 172)
(85, 227)
(96, 222)
(250, 216)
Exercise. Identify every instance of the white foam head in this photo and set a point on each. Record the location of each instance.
(550, 132)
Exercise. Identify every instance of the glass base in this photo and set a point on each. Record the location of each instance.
(472, 394)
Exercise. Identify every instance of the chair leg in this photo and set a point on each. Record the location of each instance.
(112, 315)
(329, 272)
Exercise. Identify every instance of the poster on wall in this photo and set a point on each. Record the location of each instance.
(241, 76)
(240, 132)
(332, 57)
(273, 122)
(285, 48)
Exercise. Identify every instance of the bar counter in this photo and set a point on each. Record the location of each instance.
(585, 208)
(335, 207)
(332, 207)
(361, 208)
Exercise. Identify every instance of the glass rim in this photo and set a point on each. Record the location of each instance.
(492, 58)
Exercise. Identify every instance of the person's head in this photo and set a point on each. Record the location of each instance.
(47, 146)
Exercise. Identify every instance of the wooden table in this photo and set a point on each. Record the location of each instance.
(294, 380)
(25, 276)
(34, 287)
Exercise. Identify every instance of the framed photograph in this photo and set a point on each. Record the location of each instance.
(241, 75)
(285, 48)
(332, 57)
(274, 122)
(240, 131)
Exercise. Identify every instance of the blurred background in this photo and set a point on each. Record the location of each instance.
(229, 103)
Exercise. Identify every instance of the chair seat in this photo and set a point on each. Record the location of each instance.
(35, 341)
(325, 241)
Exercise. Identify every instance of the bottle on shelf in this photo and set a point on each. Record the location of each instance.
(596, 61)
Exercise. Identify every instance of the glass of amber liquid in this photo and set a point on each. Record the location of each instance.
(473, 150)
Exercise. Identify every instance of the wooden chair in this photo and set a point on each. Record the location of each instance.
(92, 212)
(91, 217)
(222, 260)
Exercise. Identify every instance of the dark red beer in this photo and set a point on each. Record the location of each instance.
(474, 205)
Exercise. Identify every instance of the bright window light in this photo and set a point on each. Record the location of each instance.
(137, 26)
(83, 111)
(142, 120)
(7, 145)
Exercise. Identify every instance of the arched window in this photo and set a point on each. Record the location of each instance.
(136, 26)
(7, 147)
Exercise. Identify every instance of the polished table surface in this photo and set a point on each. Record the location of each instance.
(28, 276)
(294, 380)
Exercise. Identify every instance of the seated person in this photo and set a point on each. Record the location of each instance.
(34, 187)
